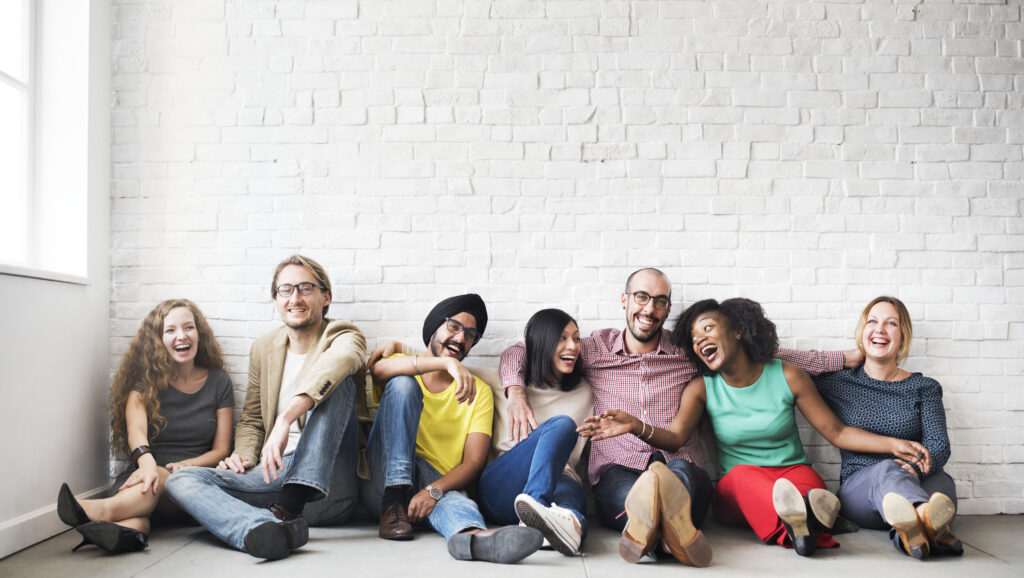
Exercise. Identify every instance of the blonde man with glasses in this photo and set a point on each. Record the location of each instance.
(296, 443)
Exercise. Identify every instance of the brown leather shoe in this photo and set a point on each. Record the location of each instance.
(678, 534)
(901, 515)
(936, 515)
(643, 515)
(394, 523)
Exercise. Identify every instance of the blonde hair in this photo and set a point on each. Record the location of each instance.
(315, 269)
(147, 368)
(906, 327)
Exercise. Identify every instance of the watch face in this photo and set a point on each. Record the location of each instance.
(436, 493)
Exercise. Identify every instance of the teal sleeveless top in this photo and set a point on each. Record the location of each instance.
(755, 425)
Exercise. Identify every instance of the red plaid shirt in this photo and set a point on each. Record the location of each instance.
(647, 385)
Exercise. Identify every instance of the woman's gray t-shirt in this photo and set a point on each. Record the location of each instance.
(191, 419)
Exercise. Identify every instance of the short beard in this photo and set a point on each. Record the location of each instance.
(654, 334)
(305, 326)
(436, 348)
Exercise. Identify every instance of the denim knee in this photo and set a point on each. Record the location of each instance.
(561, 425)
(402, 388)
(183, 481)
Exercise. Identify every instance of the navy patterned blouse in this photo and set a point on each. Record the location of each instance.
(909, 409)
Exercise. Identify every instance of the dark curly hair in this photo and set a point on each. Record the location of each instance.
(746, 317)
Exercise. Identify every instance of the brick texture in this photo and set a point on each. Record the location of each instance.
(810, 155)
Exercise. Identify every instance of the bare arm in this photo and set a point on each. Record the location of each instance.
(474, 457)
(138, 435)
(384, 350)
(411, 365)
(615, 422)
(842, 436)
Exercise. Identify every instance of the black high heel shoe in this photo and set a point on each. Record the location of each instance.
(68, 509)
(791, 509)
(111, 537)
(823, 511)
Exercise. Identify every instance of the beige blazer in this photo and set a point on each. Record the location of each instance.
(338, 352)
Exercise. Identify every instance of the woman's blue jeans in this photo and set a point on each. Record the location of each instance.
(535, 467)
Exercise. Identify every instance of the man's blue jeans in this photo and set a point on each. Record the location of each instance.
(610, 492)
(391, 452)
(325, 459)
(535, 467)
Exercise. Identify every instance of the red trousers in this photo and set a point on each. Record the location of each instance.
(744, 497)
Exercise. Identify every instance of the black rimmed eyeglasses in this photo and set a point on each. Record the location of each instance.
(285, 289)
(454, 327)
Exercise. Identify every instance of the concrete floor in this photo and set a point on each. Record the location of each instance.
(991, 551)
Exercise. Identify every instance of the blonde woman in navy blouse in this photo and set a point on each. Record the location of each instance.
(878, 491)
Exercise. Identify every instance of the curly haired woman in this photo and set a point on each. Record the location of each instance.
(171, 407)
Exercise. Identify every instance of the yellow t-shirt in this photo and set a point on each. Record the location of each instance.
(445, 423)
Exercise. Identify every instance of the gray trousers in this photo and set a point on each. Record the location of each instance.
(862, 493)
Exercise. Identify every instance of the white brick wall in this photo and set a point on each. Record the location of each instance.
(810, 155)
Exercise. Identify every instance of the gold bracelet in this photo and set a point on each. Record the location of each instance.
(415, 364)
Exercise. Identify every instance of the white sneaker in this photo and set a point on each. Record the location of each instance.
(560, 526)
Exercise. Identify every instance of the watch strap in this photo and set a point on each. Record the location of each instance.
(138, 453)
(435, 493)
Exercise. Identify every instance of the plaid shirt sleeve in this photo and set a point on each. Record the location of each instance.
(512, 366)
(813, 361)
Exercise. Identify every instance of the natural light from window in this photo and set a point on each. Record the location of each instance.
(15, 134)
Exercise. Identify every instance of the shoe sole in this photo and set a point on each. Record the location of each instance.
(506, 546)
(792, 511)
(825, 507)
(107, 535)
(901, 515)
(68, 509)
(940, 515)
(789, 505)
(268, 540)
(936, 520)
(682, 539)
(398, 537)
(564, 542)
(642, 513)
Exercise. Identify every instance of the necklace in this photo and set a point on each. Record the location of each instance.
(889, 377)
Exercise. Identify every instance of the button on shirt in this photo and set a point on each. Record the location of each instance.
(647, 385)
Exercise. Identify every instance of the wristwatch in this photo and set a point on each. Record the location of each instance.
(434, 493)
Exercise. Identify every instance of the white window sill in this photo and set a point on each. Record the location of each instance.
(16, 271)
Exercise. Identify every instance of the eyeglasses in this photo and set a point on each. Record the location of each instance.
(455, 328)
(285, 289)
(642, 298)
